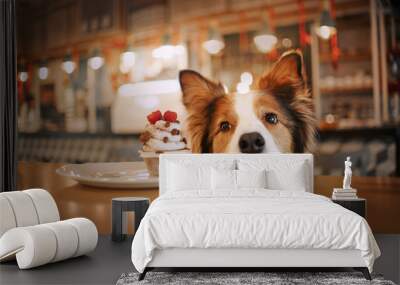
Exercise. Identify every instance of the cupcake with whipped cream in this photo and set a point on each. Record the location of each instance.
(162, 134)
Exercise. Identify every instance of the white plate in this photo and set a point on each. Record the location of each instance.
(110, 174)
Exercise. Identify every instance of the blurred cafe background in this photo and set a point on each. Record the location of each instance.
(90, 71)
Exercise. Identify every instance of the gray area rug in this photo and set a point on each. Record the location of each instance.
(231, 278)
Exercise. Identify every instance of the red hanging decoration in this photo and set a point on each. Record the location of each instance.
(28, 83)
(273, 55)
(334, 45)
(305, 38)
(335, 51)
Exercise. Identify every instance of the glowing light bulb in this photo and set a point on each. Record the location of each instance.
(326, 24)
(287, 43)
(213, 46)
(330, 118)
(128, 58)
(43, 72)
(242, 88)
(246, 78)
(127, 61)
(68, 66)
(96, 62)
(215, 43)
(23, 76)
(325, 32)
(265, 42)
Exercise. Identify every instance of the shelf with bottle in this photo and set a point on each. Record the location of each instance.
(358, 83)
(330, 122)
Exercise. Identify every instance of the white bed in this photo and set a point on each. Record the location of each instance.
(226, 226)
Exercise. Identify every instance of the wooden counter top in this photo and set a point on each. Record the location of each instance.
(75, 200)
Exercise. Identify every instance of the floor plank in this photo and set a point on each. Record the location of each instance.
(110, 260)
(103, 266)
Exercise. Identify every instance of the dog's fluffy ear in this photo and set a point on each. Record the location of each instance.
(289, 69)
(197, 90)
(198, 94)
(287, 82)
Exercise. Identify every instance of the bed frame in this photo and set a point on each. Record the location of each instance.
(249, 259)
(239, 259)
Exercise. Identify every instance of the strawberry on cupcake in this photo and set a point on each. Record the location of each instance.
(163, 133)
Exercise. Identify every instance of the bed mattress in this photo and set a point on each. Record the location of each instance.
(250, 219)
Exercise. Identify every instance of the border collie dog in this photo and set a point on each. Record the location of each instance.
(277, 117)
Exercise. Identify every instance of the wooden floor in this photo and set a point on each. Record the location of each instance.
(102, 266)
(75, 200)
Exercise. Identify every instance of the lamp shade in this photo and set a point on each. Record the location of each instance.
(215, 43)
(23, 76)
(166, 50)
(43, 71)
(68, 65)
(127, 60)
(97, 60)
(265, 40)
(326, 25)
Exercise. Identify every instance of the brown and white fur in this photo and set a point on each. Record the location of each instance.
(278, 117)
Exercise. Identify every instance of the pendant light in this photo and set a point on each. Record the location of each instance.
(23, 75)
(246, 78)
(43, 71)
(265, 39)
(326, 27)
(215, 42)
(68, 65)
(166, 50)
(127, 60)
(97, 60)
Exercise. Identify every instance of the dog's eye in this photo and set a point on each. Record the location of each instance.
(271, 118)
(224, 126)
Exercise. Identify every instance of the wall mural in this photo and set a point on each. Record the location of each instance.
(86, 85)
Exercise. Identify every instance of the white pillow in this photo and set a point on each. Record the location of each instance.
(188, 174)
(293, 180)
(182, 177)
(281, 174)
(251, 179)
(223, 179)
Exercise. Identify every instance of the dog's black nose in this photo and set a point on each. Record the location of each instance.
(251, 143)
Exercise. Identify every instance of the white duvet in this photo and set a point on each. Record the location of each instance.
(250, 219)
